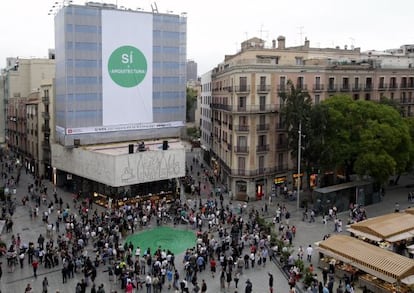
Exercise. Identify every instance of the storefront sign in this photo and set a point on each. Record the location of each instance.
(280, 180)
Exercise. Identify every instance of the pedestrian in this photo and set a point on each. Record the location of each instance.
(45, 284)
(203, 286)
(249, 287)
(309, 251)
(28, 288)
(270, 282)
(35, 265)
(236, 279)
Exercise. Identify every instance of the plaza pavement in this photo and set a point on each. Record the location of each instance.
(307, 233)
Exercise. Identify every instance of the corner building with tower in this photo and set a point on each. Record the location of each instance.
(120, 102)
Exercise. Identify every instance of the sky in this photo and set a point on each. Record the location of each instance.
(216, 28)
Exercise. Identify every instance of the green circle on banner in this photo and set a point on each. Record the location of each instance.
(127, 66)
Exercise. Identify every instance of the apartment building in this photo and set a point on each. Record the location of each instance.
(205, 112)
(23, 80)
(249, 140)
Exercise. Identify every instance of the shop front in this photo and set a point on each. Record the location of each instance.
(297, 179)
(371, 267)
(260, 188)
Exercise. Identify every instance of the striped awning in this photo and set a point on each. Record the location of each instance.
(383, 264)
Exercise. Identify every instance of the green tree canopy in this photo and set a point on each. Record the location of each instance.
(365, 138)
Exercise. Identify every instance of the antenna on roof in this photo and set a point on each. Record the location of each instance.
(154, 7)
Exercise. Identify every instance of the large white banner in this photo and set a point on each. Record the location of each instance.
(126, 67)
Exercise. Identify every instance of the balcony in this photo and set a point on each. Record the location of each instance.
(262, 127)
(242, 128)
(259, 171)
(318, 87)
(263, 88)
(281, 88)
(282, 146)
(393, 87)
(241, 89)
(46, 145)
(345, 88)
(261, 108)
(241, 149)
(404, 86)
(281, 127)
(45, 129)
(302, 87)
(368, 87)
(46, 115)
(45, 100)
(332, 88)
(382, 87)
(262, 148)
(229, 146)
(356, 88)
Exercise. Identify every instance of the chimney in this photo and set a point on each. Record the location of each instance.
(281, 42)
(307, 43)
(273, 44)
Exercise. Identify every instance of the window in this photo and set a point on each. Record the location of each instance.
(262, 119)
(299, 60)
(317, 83)
(262, 101)
(367, 96)
(242, 102)
(356, 97)
(262, 82)
(345, 83)
(403, 82)
(282, 82)
(393, 82)
(241, 163)
(331, 83)
(280, 161)
(243, 83)
(261, 164)
(299, 83)
(262, 140)
(356, 83)
(368, 83)
(317, 99)
(381, 82)
(242, 141)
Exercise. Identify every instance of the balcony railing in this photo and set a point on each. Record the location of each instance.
(45, 115)
(282, 88)
(262, 148)
(241, 149)
(332, 88)
(259, 171)
(247, 108)
(45, 129)
(382, 87)
(318, 87)
(345, 88)
(46, 145)
(393, 86)
(282, 146)
(302, 87)
(281, 126)
(262, 127)
(356, 88)
(368, 87)
(239, 89)
(242, 128)
(45, 100)
(263, 88)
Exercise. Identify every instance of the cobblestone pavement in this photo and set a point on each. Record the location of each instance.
(307, 233)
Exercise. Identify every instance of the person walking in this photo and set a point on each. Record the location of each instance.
(236, 279)
(249, 287)
(309, 251)
(35, 265)
(45, 284)
(270, 282)
(203, 286)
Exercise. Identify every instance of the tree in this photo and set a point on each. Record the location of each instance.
(296, 110)
(366, 138)
(191, 99)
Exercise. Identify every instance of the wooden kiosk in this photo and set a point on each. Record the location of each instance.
(377, 269)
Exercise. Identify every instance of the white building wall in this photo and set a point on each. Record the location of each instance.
(205, 110)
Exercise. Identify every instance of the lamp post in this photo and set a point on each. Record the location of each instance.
(299, 154)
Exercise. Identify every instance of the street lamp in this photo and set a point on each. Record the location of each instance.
(299, 154)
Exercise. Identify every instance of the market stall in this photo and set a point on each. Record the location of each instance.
(377, 269)
(387, 229)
